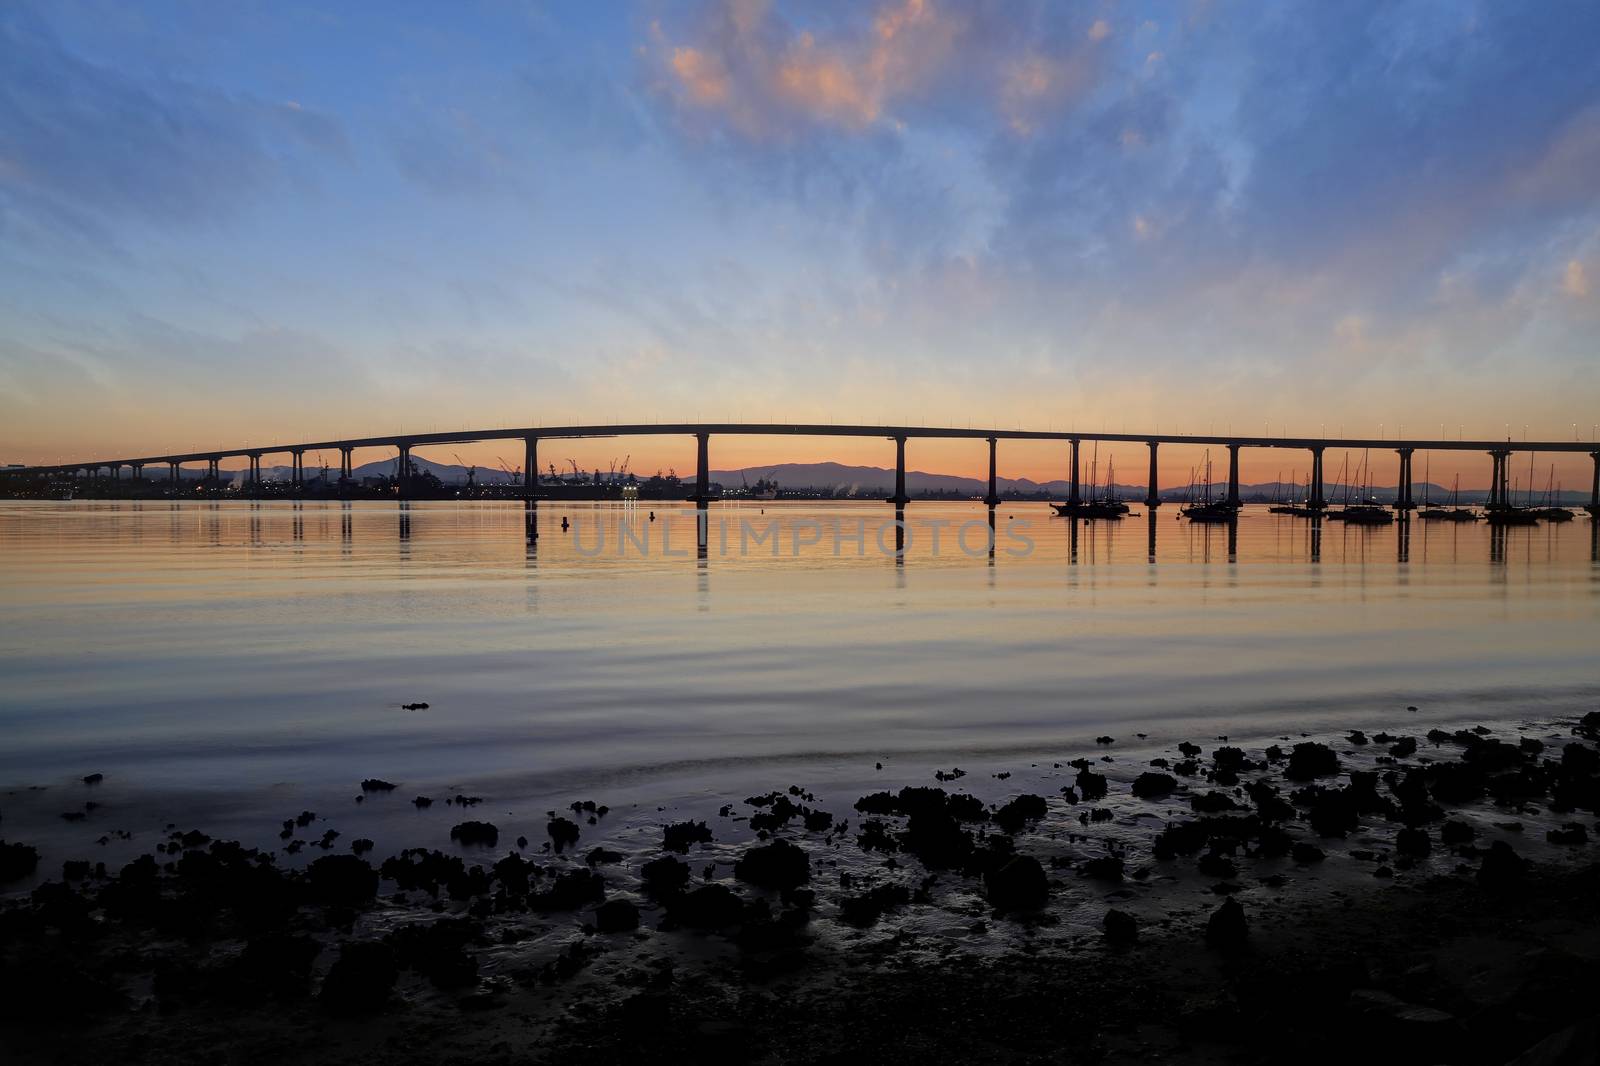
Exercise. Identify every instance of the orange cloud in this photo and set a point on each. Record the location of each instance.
(704, 80)
(748, 67)
(1575, 282)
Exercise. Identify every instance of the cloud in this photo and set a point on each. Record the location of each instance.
(82, 140)
(744, 68)
(1575, 280)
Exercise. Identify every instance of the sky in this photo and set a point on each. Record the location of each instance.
(237, 223)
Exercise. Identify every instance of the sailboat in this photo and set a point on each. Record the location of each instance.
(1551, 511)
(1454, 513)
(1508, 513)
(1206, 509)
(1106, 507)
(1367, 512)
(1285, 506)
(1094, 504)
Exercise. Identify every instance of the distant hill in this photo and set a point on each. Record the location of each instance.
(837, 479)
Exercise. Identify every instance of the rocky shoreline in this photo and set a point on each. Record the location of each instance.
(1398, 898)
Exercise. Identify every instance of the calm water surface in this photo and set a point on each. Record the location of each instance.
(226, 652)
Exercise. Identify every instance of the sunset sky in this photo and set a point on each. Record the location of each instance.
(228, 223)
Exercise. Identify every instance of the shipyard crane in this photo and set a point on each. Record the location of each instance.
(506, 470)
(472, 471)
(577, 475)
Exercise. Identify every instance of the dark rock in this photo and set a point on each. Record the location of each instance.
(875, 836)
(342, 880)
(1018, 885)
(1213, 864)
(376, 784)
(422, 802)
(616, 916)
(779, 864)
(1502, 867)
(1230, 759)
(1413, 842)
(707, 907)
(938, 840)
(679, 836)
(360, 980)
(1306, 854)
(1189, 750)
(1405, 748)
(1570, 833)
(437, 950)
(600, 856)
(470, 833)
(1227, 929)
(1212, 803)
(1576, 759)
(1120, 927)
(867, 907)
(665, 875)
(94, 779)
(1091, 786)
(1334, 812)
(1153, 785)
(1013, 815)
(1104, 868)
(17, 861)
(1311, 760)
(569, 891)
(1453, 833)
(563, 832)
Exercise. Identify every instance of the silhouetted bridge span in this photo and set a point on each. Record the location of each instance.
(1499, 452)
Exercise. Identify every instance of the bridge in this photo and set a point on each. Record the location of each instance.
(1499, 453)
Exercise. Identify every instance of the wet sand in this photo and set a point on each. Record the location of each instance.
(1404, 896)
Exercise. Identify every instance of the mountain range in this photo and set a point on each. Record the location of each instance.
(837, 479)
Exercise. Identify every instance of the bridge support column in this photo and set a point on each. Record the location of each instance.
(1402, 495)
(212, 471)
(1073, 495)
(116, 471)
(899, 499)
(255, 473)
(1233, 475)
(346, 467)
(172, 473)
(402, 472)
(702, 469)
(1594, 489)
(1500, 490)
(1152, 496)
(1318, 500)
(530, 486)
(297, 470)
(138, 471)
(993, 498)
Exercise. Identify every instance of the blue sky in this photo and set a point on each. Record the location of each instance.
(237, 221)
